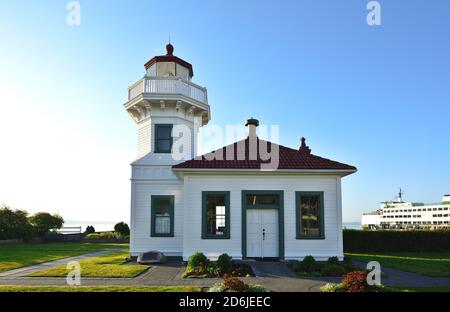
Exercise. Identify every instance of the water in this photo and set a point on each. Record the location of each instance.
(351, 225)
(99, 226)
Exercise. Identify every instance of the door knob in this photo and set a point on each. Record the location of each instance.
(264, 234)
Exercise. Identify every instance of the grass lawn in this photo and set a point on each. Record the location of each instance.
(99, 289)
(110, 265)
(424, 289)
(429, 263)
(19, 255)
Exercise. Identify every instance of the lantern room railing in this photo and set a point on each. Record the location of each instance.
(168, 85)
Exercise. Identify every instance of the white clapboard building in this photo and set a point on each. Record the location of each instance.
(228, 201)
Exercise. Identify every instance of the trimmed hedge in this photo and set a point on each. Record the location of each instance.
(106, 237)
(396, 241)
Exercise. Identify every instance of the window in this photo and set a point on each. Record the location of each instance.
(216, 215)
(165, 69)
(309, 215)
(262, 200)
(162, 222)
(163, 138)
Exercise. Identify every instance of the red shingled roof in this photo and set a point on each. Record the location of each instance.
(288, 159)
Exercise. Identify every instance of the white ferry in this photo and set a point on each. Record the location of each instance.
(398, 214)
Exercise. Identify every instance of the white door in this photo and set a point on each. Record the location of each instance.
(262, 233)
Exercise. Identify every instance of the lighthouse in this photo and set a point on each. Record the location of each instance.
(188, 204)
(164, 100)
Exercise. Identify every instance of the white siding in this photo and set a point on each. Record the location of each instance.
(146, 142)
(321, 249)
(141, 240)
(144, 137)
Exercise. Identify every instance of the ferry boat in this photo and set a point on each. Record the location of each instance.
(398, 214)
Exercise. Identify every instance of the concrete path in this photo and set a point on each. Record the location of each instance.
(394, 277)
(51, 264)
(271, 269)
(274, 284)
(275, 276)
(170, 274)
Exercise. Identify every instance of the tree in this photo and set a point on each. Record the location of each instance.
(122, 228)
(43, 222)
(14, 224)
(89, 229)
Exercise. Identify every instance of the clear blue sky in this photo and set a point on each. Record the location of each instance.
(374, 97)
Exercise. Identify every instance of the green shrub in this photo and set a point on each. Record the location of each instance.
(218, 287)
(396, 241)
(225, 264)
(201, 270)
(295, 265)
(332, 287)
(44, 222)
(308, 264)
(256, 288)
(89, 229)
(222, 287)
(333, 260)
(197, 259)
(214, 271)
(102, 235)
(15, 224)
(333, 270)
(122, 228)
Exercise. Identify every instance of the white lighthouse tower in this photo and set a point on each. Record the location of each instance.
(164, 100)
(166, 96)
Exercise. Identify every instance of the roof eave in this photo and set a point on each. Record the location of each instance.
(338, 172)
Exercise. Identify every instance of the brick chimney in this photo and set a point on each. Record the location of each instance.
(252, 124)
(303, 148)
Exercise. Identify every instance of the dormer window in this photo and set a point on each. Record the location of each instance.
(163, 138)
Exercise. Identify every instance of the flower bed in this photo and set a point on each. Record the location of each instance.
(333, 267)
(199, 266)
(233, 284)
(354, 282)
